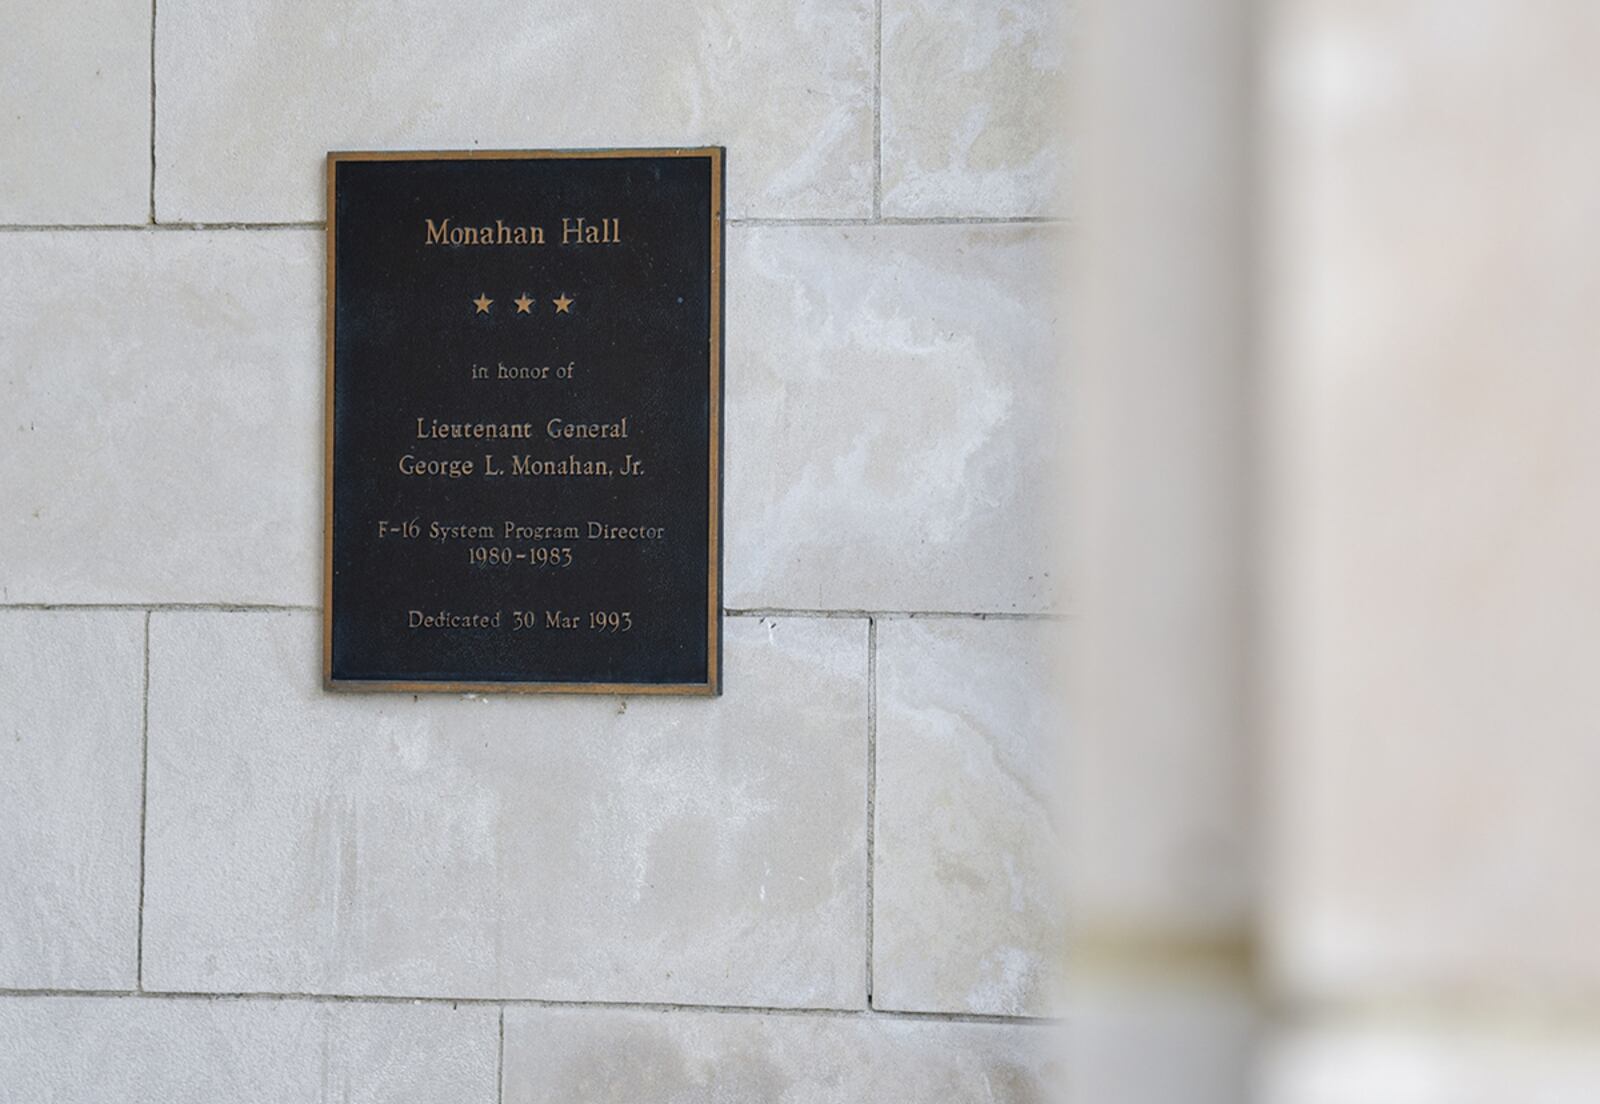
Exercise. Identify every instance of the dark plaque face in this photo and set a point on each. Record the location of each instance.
(524, 421)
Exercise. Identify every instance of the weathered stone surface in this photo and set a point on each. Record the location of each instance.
(892, 425)
(972, 107)
(967, 914)
(75, 82)
(250, 103)
(162, 393)
(71, 702)
(1178, 1042)
(131, 1050)
(553, 1056)
(689, 850)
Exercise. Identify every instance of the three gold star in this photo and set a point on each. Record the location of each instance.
(524, 304)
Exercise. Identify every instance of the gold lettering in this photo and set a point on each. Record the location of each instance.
(571, 465)
(442, 233)
(558, 428)
(429, 428)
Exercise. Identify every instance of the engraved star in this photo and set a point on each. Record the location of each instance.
(482, 302)
(562, 304)
(524, 304)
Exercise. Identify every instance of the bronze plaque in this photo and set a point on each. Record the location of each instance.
(524, 419)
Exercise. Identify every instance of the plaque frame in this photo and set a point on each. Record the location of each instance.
(712, 686)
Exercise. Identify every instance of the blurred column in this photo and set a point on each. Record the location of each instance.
(1159, 822)
(1432, 343)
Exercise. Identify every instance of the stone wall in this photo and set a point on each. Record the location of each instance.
(217, 882)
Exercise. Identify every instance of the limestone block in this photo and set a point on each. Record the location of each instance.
(570, 848)
(130, 1050)
(71, 707)
(973, 102)
(557, 1055)
(892, 425)
(967, 911)
(253, 95)
(163, 402)
(75, 131)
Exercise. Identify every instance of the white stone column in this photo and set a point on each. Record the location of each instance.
(1433, 263)
(1159, 759)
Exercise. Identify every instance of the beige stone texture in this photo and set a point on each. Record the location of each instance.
(574, 848)
(252, 95)
(132, 1050)
(75, 121)
(892, 429)
(553, 1056)
(1435, 540)
(71, 705)
(973, 99)
(967, 910)
(162, 394)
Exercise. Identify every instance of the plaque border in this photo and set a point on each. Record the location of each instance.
(712, 687)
